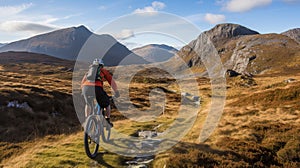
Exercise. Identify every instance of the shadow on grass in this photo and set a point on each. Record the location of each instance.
(100, 160)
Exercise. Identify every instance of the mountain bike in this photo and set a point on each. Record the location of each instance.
(96, 126)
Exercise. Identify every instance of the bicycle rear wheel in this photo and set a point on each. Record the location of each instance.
(91, 137)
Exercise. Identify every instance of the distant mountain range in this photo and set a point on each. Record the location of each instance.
(241, 49)
(2, 44)
(246, 51)
(155, 52)
(67, 44)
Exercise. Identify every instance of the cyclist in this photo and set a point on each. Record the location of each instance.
(91, 88)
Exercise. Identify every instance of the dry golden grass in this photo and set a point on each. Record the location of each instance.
(46, 95)
(259, 126)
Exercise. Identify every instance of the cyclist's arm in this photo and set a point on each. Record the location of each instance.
(110, 80)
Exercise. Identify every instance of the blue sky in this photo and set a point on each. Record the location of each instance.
(21, 19)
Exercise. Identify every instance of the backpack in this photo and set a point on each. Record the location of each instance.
(93, 73)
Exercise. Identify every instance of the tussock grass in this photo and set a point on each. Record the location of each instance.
(259, 127)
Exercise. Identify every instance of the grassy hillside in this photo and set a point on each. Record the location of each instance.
(43, 83)
(259, 126)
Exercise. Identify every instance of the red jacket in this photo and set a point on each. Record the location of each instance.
(104, 74)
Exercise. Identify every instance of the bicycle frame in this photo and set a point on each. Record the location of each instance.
(102, 130)
(98, 110)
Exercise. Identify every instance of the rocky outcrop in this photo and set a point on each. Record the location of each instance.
(293, 34)
(223, 32)
(213, 39)
(258, 54)
(241, 57)
(243, 51)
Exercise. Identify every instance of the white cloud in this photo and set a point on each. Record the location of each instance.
(145, 9)
(158, 5)
(124, 34)
(245, 5)
(23, 26)
(11, 20)
(214, 18)
(15, 23)
(13, 10)
(155, 6)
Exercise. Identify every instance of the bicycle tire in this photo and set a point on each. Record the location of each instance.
(105, 130)
(91, 137)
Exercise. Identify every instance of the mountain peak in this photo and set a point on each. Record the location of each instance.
(223, 32)
(82, 28)
(63, 43)
(232, 26)
(67, 43)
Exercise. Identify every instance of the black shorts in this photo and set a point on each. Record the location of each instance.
(89, 93)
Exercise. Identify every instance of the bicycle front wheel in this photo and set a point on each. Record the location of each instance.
(105, 130)
(91, 137)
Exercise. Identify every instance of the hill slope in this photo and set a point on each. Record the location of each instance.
(293, 33)
(259, 126)
(26, 57)
(260, 54)
(41, 86)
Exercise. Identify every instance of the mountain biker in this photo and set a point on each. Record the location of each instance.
(91, 88)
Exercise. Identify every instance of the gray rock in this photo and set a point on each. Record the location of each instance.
(290, 80)
(147, 134)
(16, 104)
(185, 94)
(223, 32)
(293, 34)
(196, 98)
(215, 37)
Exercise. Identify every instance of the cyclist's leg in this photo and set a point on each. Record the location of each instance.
(103, 100)
(88, 98)
(87, 110)
(101, 97)
(108, 109)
